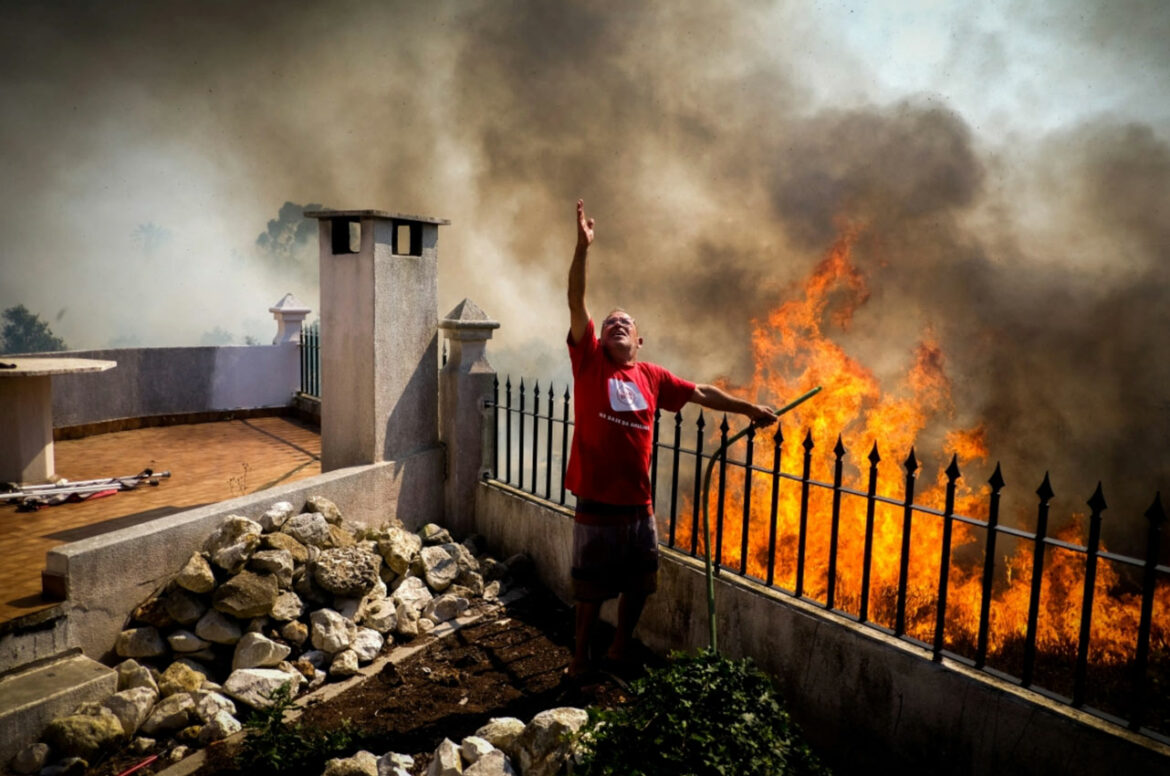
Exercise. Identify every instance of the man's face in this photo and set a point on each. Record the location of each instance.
(619, 336)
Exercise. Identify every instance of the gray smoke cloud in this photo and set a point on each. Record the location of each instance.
(701, 140)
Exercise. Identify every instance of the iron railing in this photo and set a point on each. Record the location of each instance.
(311, 359)
(533, 430)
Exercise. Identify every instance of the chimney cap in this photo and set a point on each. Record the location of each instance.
(321, 214)
(289, 304)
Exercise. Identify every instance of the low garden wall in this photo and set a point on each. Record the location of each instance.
(103, 578)
(174, 381)
(856, 692)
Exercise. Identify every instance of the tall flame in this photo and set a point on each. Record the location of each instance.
(794, 353)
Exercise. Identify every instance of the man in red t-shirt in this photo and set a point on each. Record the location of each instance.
(615, 543)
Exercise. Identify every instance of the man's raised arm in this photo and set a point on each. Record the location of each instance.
(578, 312)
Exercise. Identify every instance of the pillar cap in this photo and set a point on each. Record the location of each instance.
(324, 214)
(466, 317)
(289, 304)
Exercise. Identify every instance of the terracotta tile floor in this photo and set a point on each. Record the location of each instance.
(208, 462)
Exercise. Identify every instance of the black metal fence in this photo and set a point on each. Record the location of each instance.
(997, 608)
(311, 359)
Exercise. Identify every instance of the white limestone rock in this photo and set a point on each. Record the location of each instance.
(433, 533)
(494, 763)
(183, 607)
(278, 563)
(425, 626)
(445, 607)
(254, 686)
(382, 616)
(309, 529)
(446, 761)
(361, 763)
(254, 650)
(170, 714)
(208, 703)
(246, 595)
(324, 507)
(347, 571)
(473, 747)
(398, 548)
(367, 644)
(186, 641)
(502, 733)
(347, 607)
(220, 726)
(131, 707)
(140, 642)
(182, 676)
(276, 515)
(439, 568)
(330, 631)
(395, 764)
(407, 621)
(295, 633)
(131, 674)
(196, 575)
(546, 741)
(218, 628)
(413, 592)
(491, 591)
(232, 544)
(288, 606)
(345, 663)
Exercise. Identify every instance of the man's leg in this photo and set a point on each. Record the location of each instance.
(588, 613)
(630, 607)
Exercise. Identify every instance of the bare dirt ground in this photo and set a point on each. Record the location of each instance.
(510, 663)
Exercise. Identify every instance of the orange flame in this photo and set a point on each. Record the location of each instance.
(793, 353)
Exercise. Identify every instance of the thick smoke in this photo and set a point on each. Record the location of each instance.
(698, 142)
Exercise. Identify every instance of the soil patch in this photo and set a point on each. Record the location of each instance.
(511, 664)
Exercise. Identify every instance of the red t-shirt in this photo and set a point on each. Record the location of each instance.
(614, 408)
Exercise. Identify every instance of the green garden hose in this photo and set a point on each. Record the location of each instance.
(706, 521)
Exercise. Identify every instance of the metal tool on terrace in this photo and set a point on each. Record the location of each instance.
(706, 521)
(31, 497)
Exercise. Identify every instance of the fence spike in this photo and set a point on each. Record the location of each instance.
(724, 426)
(701, 423)
(911, 464)
(874, 458)
(1155, 514)
(1096, 502)
(1045, 491)
(839, 448)
(778, 436)
(952, 471)
(566, 397)
(808, 441)
(996, 481)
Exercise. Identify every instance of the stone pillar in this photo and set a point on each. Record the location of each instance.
(379, 344)
(465, 387)
(289, 314)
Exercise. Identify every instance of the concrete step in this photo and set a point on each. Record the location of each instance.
(31, 699)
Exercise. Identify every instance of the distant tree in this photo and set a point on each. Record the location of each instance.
(25, 332)
(290, 236)
(216, 336)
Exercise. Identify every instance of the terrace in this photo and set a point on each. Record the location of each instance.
(408, 434)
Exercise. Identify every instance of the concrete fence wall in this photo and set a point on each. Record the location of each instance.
(106, 576)
(164, 381)
(856, 692)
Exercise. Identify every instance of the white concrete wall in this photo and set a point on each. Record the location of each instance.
(856, 692)
(162, 381)
(106, 576)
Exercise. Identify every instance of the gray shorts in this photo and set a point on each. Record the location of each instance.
(615, 550)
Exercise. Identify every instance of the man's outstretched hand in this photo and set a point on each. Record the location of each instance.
(584, 226)
(761, 416)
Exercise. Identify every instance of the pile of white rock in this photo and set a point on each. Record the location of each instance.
(505, 746)
(290, 600)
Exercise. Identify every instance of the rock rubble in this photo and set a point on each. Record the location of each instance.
(286, 600)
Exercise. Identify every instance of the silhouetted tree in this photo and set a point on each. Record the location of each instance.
(25, 332)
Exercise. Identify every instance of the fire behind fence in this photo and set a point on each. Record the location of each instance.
(1075, 622)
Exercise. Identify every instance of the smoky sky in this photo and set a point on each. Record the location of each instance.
(701, 141)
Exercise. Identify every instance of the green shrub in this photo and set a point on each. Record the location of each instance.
(272, 745)
(701, 715)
